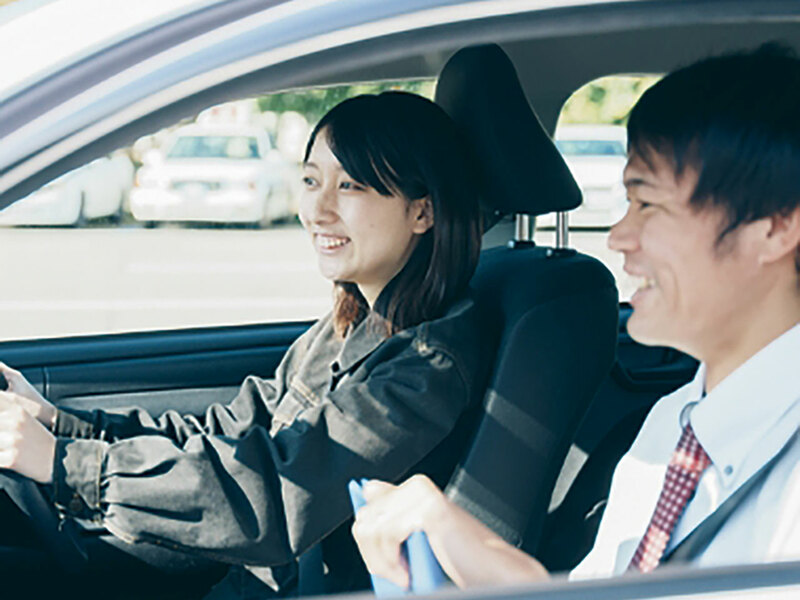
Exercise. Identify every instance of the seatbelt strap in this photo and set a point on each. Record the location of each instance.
(698, 540)
(311, 572)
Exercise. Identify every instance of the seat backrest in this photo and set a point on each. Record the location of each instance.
(554, 312)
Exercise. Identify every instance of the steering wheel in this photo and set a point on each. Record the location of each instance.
(59, 538)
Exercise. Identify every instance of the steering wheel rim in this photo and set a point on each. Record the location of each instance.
(59, 538)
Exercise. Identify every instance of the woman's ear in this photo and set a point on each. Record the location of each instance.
(422, 212)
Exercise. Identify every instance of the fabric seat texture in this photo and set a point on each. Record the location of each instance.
(554, 313)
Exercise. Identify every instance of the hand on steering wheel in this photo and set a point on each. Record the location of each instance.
(27, 396)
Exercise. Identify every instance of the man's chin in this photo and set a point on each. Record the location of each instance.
(644, 331)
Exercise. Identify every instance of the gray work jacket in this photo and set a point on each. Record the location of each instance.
(262, 479)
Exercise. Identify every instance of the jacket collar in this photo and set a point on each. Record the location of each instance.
(361, 341)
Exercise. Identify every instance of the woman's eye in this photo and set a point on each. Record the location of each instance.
(308, 181)
(351, 186)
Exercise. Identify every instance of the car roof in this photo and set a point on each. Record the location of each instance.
(242, 48)
(33, 59)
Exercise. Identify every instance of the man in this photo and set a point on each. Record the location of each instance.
(713, 233)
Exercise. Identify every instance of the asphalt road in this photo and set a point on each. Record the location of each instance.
(61, 282)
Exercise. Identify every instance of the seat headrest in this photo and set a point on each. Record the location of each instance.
(521, 169)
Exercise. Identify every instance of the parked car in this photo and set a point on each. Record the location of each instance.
(94, 191)
(154, 75)
(220, 174)
(596, 155)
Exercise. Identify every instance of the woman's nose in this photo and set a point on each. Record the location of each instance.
(320, 206)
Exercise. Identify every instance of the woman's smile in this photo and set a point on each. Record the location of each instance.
(326, 243)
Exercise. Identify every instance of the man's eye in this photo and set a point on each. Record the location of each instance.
(351, 185)
(643, 204)
(308, 181)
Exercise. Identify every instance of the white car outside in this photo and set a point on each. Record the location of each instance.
(222, 174)
(94, 191)
(596, 155)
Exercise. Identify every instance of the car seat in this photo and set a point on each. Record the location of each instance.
(554, 310)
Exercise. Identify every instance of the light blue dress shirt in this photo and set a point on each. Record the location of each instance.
(742, 423)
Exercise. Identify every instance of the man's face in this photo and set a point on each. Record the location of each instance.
(692, 290)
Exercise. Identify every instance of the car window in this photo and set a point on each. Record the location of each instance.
(591, 137)
(590, 148)
(193, 225)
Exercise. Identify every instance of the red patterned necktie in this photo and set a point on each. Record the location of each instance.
(687, 465)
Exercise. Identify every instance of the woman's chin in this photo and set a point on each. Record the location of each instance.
(333, 275)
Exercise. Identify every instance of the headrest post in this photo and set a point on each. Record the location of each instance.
(562, 230)
(522, 229)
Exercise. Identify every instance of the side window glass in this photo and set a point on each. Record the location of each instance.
(591, 136)
(194, 225)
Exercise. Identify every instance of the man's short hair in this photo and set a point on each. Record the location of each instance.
(736, 120)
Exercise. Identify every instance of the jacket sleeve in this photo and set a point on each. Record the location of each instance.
(262, 497)
(253, 404)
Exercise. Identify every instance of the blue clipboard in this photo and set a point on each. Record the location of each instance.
(426, 574)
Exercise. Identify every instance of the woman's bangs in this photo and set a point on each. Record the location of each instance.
(359, 157)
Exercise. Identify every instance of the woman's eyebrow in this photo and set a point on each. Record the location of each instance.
(314, 165)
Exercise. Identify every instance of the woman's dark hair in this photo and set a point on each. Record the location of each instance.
(736, 120)
(403, 144)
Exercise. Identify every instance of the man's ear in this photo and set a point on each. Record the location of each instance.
(782, 239)
(422, 211)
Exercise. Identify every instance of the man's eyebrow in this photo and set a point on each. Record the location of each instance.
(635, 182)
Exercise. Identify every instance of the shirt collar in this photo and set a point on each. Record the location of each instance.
(747, 405)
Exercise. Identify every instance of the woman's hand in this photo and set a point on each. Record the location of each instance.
(469, 552)
(25, 445)
(28, 397)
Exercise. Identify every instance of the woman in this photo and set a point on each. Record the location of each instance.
(369, 390)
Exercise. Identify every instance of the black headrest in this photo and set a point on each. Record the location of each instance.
(521, 168)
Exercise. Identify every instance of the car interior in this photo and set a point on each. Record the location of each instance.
(527, 293)
(569, 388)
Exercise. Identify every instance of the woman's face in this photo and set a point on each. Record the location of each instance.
(359, 236)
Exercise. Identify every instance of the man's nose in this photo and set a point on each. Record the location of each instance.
(624, 234)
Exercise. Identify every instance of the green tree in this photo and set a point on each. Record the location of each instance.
(606, 100)
(314, 103)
